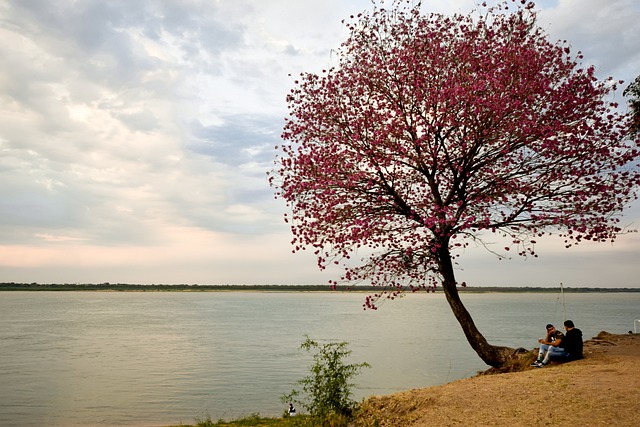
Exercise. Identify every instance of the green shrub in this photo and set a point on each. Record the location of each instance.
(326, 393)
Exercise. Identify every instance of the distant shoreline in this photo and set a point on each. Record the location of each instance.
(126, 287)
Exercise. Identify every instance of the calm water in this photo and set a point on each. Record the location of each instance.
(145, 359)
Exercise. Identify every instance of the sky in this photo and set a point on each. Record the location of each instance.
(135, 137)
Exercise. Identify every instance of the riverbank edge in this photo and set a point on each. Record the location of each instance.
(601, 389)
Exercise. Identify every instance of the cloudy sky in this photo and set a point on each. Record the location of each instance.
(135, 137)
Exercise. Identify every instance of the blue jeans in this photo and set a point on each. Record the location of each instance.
(551, 352)
(560, 356)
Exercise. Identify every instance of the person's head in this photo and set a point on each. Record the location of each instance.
(550, 328)
(568, 324)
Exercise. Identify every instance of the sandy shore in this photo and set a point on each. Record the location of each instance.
(603, 389)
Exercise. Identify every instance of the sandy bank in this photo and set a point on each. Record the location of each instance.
(603, 389)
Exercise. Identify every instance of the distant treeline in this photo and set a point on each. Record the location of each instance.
(126, 287)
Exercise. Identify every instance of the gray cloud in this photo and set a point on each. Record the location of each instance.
(239, 139)
(135, 133)
(606, 32)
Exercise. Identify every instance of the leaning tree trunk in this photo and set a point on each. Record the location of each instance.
(492, 355)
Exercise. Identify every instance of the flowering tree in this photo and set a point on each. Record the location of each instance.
(435, 131)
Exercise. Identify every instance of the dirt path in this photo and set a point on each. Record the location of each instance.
(603, 389)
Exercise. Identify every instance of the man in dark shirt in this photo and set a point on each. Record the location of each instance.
(572, 344)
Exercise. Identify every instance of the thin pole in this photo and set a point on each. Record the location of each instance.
(564, 307)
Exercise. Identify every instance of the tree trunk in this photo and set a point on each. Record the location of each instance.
(495, 356)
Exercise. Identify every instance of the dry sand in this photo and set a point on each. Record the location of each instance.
(603, 389)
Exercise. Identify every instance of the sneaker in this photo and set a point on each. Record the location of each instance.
(540, 365)
(536, 363)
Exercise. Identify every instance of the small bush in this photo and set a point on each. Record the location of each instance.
(326, 393)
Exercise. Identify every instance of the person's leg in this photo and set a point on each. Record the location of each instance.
(560, 356)
(542, 351)
(551, 353)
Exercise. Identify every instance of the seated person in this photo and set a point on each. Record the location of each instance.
(572, 344)
(549, 344)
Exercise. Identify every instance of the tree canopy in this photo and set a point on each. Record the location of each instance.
(432, 131)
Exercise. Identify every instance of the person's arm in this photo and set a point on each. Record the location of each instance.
(546, 340)
(556, 343)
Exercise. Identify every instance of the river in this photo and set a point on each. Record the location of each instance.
(160, 358)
